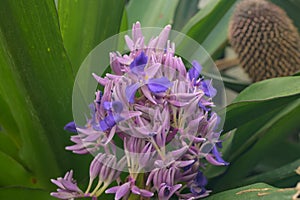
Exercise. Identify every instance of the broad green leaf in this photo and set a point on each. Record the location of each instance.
(22, 193)
(244, 132)
(36, 81)
(216, 40)
(242, 112)
(13, 172)
(288, 147)
(8, 146)
(209, 25)
(184, 11)
(260, 98)
(8, 123)
(84, 24)
(256, 191)
(154, 13)
(277, 175)
(270, 89)
(261, 144)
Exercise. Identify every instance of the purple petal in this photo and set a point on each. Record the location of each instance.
(112, 190)
(200, 179)
(96, 165)
(205, 108)
(157, 85)
(63, 195)
(148, 94)
(108, 122)
(130, 92)
(70, 186)
(122, 191)
(136, 31)
(152, 70)
(129, 43)
(195, 71)
(116, 106)
(165, 191)
(71, 126)
(115, 64)
(138, 64)
(208, 89)
(57, 182)
(100, 80)
(146, 193)
(179, 152)
(163, 37)
(218, 156)
(135, 190)
(185, 163)
(213, 161)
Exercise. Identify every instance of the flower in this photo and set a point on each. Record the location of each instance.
(155, 85)
(68, 188)
(160, 114)
(126, 188)
(71, 126)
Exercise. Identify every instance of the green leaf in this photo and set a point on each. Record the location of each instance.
(261, 144)
(209, 26)
(256, 191)
(8, 123)
(277, 175)
(260, 98)
(22, 193)
(9, 147)
(271, 89)
(184, 11)
(13, 172)
(36, 80)
(84, 24)
(154, 13)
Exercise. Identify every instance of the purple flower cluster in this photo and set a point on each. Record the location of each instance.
(161, 114)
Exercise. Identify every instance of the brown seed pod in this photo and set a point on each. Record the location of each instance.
(265, 39)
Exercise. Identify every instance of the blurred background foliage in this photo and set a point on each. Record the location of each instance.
(43, 43)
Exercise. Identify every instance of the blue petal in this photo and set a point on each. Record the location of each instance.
(138, 64)
(218, 157)
(199, 183)
(130, 92)
(195, 71)
(116, 106)
(71, 126)
(197, 190)
(109, 121)
(203, 107)
(157, 85)
(200, 179)
(208, 89)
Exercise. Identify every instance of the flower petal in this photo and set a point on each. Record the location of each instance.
(130, 92)
(122, 191)
(208, 89)
(116, 106)
(112, 190)
(146, 193)
(138, 64)
(135, 190)
(157, 85)
(71, 126)
(195, 71)
(218, 156)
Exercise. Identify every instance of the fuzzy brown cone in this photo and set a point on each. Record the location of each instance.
(265, 39)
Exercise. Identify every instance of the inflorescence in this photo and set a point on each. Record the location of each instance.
(160, 115)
